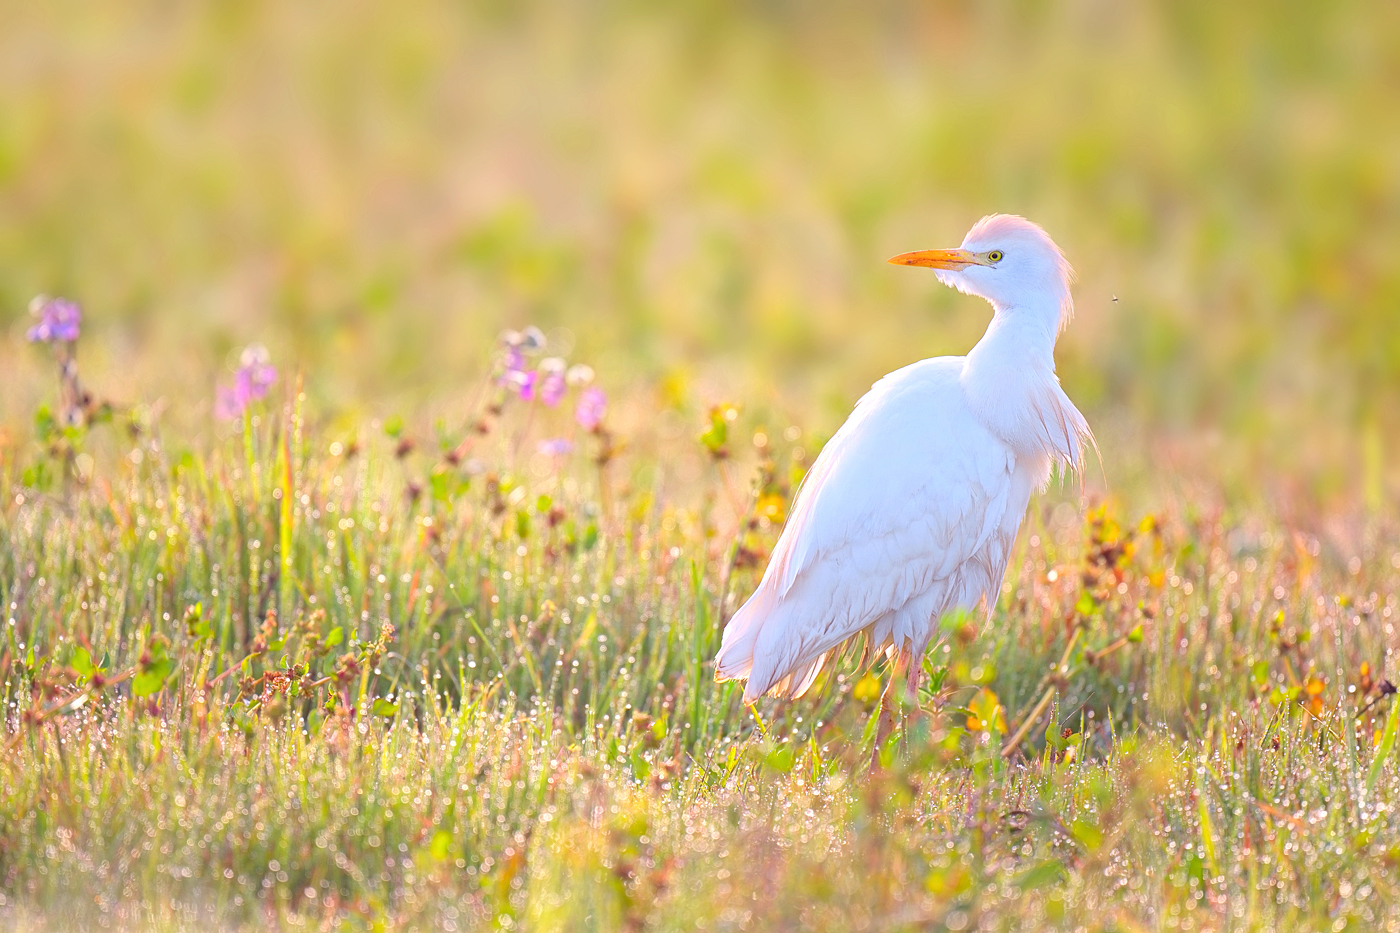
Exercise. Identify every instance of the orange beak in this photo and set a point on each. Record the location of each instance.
(938, 259)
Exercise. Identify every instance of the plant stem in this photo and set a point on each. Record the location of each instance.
(1059, 671)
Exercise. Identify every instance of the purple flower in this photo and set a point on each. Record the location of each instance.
(256, 369)
(59, 320)
(512, 361)
(514, 375)
(526, 383)
(552, 388)
(555, 447)
(592, 406)
(254, 376)
(227, 407)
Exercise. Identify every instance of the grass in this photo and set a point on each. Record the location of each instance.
(491, 707)
(369, 658)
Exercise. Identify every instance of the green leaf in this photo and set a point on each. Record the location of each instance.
(780, 759)
(393, 426)
(441, 846)
(1086, 605)
(196, 625)
(82, 662)
(1387, 745)
(335, 637)
(715, 435)
(45, 424)
(438, 484)
(157, 647)
(383, 707)
(1087, 834)
(1135, 636)
(151, 679)
(1045, 873)
(35, 476)
(985, 713)
(640, 766)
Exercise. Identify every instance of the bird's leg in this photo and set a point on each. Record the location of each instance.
(886, 722)
(912, 680)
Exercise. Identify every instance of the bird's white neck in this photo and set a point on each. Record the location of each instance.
(1010, 382)
(1024, 332)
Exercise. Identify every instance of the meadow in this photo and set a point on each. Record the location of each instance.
(435, 383)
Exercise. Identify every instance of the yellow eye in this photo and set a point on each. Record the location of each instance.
(994, 255)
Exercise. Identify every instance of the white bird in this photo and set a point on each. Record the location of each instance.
(911, 509)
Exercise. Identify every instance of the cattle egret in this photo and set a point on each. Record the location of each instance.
(911, 509)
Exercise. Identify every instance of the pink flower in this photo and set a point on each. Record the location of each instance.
(526, 384)
(552, 388)
(254, 376)
(227, 407)
(592, 406)
(512, 366)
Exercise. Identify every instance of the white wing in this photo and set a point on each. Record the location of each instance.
(909, 512)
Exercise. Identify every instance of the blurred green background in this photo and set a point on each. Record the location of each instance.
(699, 197)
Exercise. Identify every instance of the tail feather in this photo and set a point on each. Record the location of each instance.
(778, 671)
(798, 682)
(735, 658)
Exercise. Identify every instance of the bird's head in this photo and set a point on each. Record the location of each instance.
(1007, 260)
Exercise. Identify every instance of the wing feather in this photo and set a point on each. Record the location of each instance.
(885, 534)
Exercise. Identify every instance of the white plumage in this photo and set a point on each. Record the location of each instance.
(911, 509)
